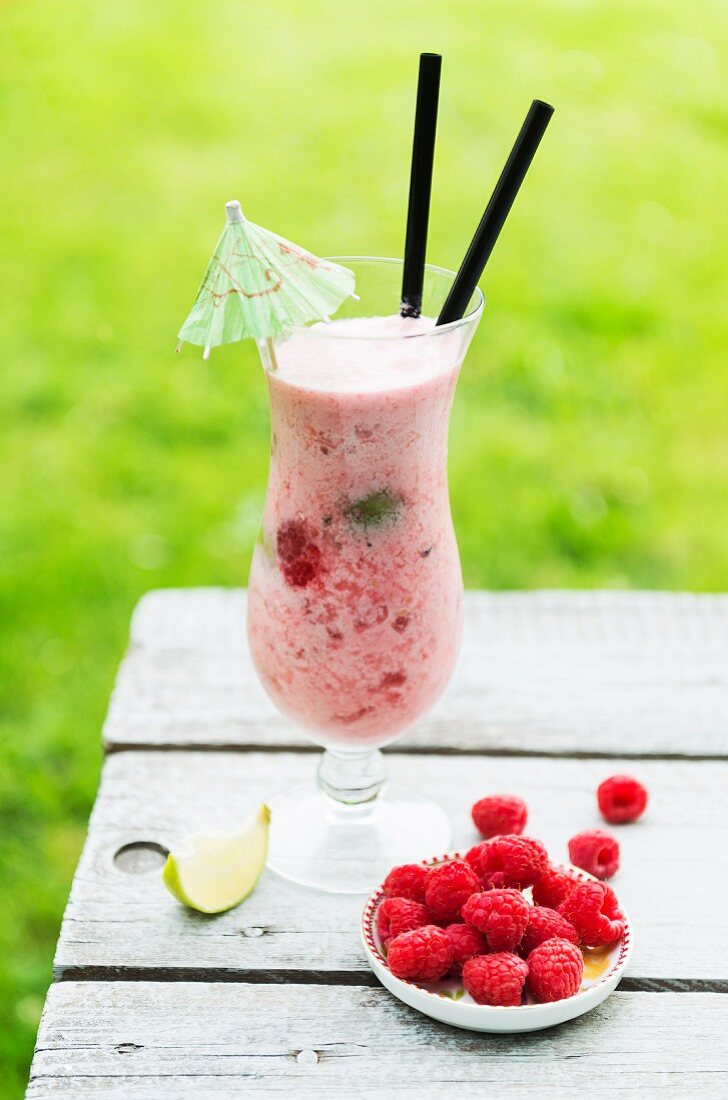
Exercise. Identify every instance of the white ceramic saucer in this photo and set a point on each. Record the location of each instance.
(448, 1002)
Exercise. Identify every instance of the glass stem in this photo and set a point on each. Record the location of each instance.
(351, 781)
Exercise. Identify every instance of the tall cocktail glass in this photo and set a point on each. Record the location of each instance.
(355, 592)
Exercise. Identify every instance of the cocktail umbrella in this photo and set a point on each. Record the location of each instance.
(258, 285)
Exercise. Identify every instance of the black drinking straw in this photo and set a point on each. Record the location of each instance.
(496, 211)
(418, 210)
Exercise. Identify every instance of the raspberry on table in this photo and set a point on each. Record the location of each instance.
(407, 881)
(396, 915)
(553, 886)
(596, 852)
(421, 955)
(594, 911)
(465, 942)
(508, 860)
(546, 924)
(621, 798)
(501, 915)
(499, 814)
(555, 970)
(496, 979)
(447, 887)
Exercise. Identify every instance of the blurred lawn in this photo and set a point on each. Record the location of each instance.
(588, 444)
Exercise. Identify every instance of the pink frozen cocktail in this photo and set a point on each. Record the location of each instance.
(355, 593)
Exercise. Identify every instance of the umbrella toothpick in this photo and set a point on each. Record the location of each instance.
(271, 354)
(260, 285)
(233, 212)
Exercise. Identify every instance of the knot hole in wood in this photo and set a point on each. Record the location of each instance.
(307, 1057)
(140, 857)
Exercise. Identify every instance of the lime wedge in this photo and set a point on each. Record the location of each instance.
(212, 872)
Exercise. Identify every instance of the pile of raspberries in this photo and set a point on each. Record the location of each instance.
(469, 918)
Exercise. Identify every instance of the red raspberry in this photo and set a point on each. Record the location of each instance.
(508, 861)
(448, 887)
(298, 554)
(465, 943)
(496, 979)
(621, 798)
(501, 915)
(555, 970)
(594, 911)
(407, 881)
(546, 924)
(474, 856)
(596, 852)
(553, 886)
(396, 915)
(499, 814)
(422, 955)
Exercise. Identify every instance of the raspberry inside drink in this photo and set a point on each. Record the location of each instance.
(355, 602)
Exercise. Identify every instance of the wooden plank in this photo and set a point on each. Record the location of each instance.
(549, 672)
(181, 1041)
(673, 877)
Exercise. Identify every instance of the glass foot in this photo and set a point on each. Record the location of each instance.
(349, 849)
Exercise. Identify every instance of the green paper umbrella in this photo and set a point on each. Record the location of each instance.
(258, 285)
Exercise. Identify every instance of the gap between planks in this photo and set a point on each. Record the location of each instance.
(359, 978)
(415, 750)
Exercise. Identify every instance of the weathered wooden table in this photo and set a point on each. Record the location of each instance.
(554, 692)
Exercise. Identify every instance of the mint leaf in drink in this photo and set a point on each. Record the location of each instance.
(374, 510)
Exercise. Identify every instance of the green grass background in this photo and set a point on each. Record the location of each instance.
(588, 444)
